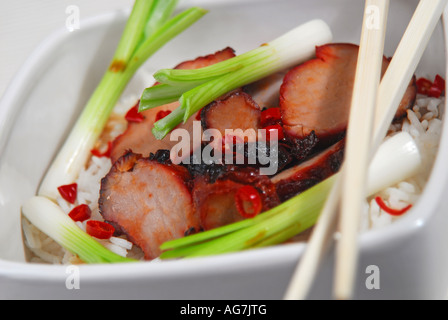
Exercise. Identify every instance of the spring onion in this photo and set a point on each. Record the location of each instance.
(49, 217)
(398, 158)
(194, 89)
(149, 27)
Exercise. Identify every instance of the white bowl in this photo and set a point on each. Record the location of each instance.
(53, 85)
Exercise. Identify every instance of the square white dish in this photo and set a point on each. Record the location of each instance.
(48, 93)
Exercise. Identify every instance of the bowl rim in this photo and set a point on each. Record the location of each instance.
(406, 226)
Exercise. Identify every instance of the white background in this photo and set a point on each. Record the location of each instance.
(25, 23)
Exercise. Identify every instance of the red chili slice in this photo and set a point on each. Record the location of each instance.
(248, 201)
(162, 114)
(393, 212)
(432, 89)
(423, 85)
(270, 116)
(273, 128)
(198, 115)
(99, 229)
(80, 213)
(69, 192)
(133, 115)
(439, 83)
(434, 92)
(99, 154)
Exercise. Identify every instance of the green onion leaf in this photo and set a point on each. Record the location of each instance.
(168, 123)
(133, 32)
(166, 32)
(161, 12)
(161, 94)
(197, 76)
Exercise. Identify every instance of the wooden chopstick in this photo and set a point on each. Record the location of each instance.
(357, 150)
(369, 47)
(318, 244)
(390, 93)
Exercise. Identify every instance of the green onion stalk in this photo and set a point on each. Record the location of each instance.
(47, 216)
(194, 89)
(150, 26)
(397, 159)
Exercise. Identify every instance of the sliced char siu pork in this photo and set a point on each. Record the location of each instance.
(138, 137)
(266, 92)
(216, 202)
(303, 176)
(316, 95)
(236, 110)
(216, 198)
(148, 200)
(207, 60)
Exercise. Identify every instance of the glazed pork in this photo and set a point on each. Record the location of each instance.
(236, 111)
(299, 178)
(316, 95)
(215, 197)
(148, 200)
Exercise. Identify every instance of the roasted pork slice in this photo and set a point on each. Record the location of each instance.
(266, 92)
(301, 148)
(215, 196)
(316, 95)
(215, 202)
(207, 60)
(297, 179)
(235, 114)
(138, 137)
(149, 200)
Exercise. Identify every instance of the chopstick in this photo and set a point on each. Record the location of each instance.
(318, 244)
(366, 82)
(390, 92)
(359, 136)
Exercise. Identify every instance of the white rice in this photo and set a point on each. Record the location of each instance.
(423, 122)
